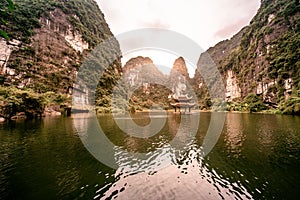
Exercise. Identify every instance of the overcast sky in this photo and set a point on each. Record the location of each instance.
(207, 22)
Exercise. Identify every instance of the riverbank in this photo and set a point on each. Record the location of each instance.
(26, 104)
(50, 112)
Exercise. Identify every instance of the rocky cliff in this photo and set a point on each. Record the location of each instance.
(263, 59)
(151, 87)
(47, 43)
(179, 79)
(145, 84)
(259, 66)
(141, 70)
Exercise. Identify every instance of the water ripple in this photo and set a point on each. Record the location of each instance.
(187, 178)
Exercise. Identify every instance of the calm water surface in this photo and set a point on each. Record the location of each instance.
(256, 157)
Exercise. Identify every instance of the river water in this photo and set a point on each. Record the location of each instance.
(255, 156)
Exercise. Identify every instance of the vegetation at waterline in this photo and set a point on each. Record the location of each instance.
(32, 104)
(291, 106)
(252, 103)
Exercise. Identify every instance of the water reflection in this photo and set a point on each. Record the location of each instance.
(234, 136)
(173, 166)
(256, 157)
(239, 167)
(188, 177)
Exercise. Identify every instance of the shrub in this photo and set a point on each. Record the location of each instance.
(14, 100)
(253, 103)
(291, 106)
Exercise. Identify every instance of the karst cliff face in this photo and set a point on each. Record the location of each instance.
(145, 84)
(179, 79)
(153, 88)
(50, 57)
(48, 43)
(215, 57)
(141, 70)
(263, 58)
(50, 61)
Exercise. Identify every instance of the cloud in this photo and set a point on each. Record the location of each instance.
(228, 30)
(156, 24)
(241, 15)
(205, 22)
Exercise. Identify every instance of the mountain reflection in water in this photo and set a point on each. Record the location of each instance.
(255, 157)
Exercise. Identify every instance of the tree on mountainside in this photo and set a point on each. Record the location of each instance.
(6, 6)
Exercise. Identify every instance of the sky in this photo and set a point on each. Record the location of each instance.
(206, 22)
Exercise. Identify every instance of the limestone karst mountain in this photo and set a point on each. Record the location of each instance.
(141, 70)
(179, 79)
(262, 61)
(151, 86)
(48, 42)
(145, 84)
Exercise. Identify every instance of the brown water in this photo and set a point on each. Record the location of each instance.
(256, 157)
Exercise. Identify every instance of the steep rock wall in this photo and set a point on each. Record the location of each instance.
(263, 58)
(233, 91)
(52, 58)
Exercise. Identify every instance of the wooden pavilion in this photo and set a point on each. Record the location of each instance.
(182, 102)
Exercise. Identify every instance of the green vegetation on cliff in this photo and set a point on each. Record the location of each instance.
(264, 60)
(55, 38)
(5, 8)
(84, 15)
(270, 48)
